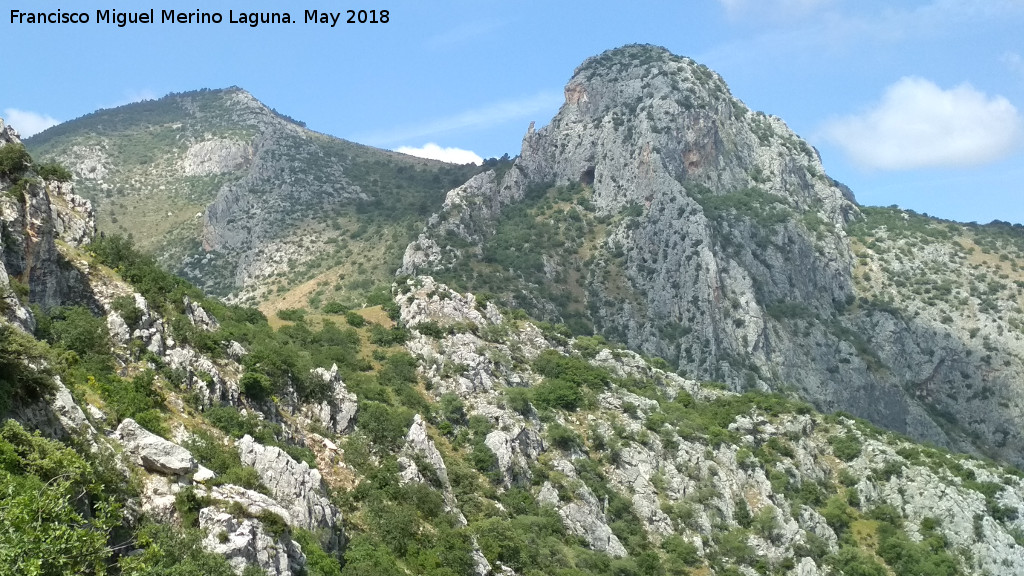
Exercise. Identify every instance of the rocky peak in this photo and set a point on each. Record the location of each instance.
(657, 210)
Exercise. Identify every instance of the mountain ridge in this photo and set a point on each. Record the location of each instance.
(438, 434)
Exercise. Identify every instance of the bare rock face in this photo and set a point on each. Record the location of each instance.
(247, 542)
(199, 317)
(713, 238)
(338, 412)
(584, 516)
(153, 452)
(298, 488)
(216, 156)
(31, 221)
(418, 444)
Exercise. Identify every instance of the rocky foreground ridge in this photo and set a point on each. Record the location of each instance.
(659, 211)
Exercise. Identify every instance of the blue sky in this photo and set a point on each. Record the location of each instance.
(919, 104)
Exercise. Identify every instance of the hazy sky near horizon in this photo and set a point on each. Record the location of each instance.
(916, 103)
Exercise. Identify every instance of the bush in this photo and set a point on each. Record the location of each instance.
(385, 337)
(518, 400)
(292, 314)
(334, 307)
(385, 426)
(556, 393)
(14, 160)
(53, 172)
(43, 529)
(354, 319)
(563, 438)
(126, 308)
(256, 386)
(846, 447)
(137, 399)
(19, 382)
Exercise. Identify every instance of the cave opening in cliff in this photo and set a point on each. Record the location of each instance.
(587, 176)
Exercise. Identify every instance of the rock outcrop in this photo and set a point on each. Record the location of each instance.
(246, 542)
(153, 452)
(299, 488)
(659, 211)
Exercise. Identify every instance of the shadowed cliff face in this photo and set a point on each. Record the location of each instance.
(665, 214)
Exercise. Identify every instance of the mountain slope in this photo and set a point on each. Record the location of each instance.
(176, 434)
(657, 210)
(243, 201)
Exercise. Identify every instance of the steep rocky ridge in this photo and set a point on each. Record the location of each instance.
(238, 198)
(453, 438)
(657, 210)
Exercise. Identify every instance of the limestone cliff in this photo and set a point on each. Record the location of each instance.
(659, 211)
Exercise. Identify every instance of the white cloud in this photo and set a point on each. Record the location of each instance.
(28, 123)
(918, 124)
(477, 118)
(435, 152)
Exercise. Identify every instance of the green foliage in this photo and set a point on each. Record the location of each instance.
(318, 562)
(256, 386)
(556, 393)
(14, 160)
(126, 308)
(160, 288)
(167, 552)
(852, 561)
(224, 460)
(364, 556)
(563, 438)
(292, 314)
(518, 400)
(53, 172)
(137, 399)
(230, 421)
(385, 426)
(24, 376)
(54, 517)
(578, 371)
(846, 447)
(385, 337)
(354, 319)
(334, 307)
(838, 514)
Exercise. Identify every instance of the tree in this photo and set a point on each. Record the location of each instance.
(14, 160)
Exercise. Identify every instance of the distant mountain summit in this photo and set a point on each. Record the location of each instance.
(657, 210)
(244, 201)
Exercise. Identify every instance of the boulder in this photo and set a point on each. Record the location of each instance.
(153, 452)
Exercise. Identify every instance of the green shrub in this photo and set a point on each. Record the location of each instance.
(556, 393)
(14, 160)
(256, 386)
(846, 447)
(354, 319)
(518, 400)
(19, 381)
(385, 426)
(126, 308)
(292, 314)
(53, 172)
(334, 307)
(563, 438)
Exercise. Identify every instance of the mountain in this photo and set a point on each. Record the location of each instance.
(148, 429)
(245, 202)
(658, 211)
